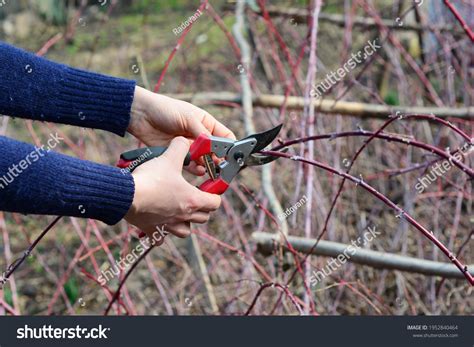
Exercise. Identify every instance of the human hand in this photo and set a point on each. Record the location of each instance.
(164, 198)
(157, 119)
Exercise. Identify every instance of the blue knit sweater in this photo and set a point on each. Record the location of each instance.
(39, 181)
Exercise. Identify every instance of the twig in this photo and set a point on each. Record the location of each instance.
(273, 285)
(460, 19)
(309, 113)
(122, 282)
(238, 30)
(408, 58)
(51, 42)
(16, 264)
(200, 265)
(400, 212)
(300, 16)
(384, 136)
(175, 49)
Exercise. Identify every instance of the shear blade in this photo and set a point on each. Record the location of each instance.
(262, 159)
(264, 138)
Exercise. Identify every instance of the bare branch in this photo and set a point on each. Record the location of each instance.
(344, 108)
(266, 244)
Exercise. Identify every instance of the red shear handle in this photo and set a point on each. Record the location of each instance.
(123, 164)
(200, 147)
(218, 186)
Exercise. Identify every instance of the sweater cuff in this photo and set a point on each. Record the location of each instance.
(36, 180)
(100, 192)
(95, 101)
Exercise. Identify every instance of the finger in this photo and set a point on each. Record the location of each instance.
(195, 169)
(207, 124)
(222, 131)
(177, 151)
(216, 128)
(180, 230)
(196, 127)
(206, 202)
(199, 217)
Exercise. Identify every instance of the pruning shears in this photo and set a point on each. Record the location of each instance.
(237, 155)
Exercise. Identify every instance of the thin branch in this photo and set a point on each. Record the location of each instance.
(16, 264)
(176, 48)
(300, 16)
(122, 282)
(460, 19)
(385, 136)
(273, 285)
(401, 213)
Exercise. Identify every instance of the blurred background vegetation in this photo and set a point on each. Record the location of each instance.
(133, 41)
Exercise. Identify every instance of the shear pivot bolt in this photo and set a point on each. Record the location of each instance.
(239, 157)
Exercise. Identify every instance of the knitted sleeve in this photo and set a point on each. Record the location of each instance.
(35, 88)
(39, 181)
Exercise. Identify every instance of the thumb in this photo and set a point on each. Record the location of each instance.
(177, 151)
(207, 202)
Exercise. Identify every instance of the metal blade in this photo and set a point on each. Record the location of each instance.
(261, 159)
(264, 138)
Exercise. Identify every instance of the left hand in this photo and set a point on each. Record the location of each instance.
(156, 119)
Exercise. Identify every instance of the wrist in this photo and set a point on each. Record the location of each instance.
(139, 110)
(132, 211)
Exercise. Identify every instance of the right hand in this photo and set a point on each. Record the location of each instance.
(164, 197)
